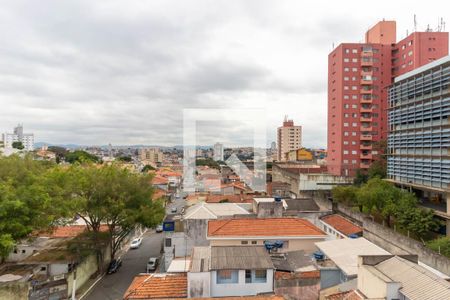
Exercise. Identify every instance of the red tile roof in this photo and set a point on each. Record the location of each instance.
(348, 295)
(157, 286)
(262, 227)
(341, 224)
(158, 179)
(262, 297)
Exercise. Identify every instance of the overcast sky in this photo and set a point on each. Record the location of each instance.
(122, 72)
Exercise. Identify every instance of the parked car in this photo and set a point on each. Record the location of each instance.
(159, 228)
(136, 243)
(114, 265)
(152, 264)
(173, 209)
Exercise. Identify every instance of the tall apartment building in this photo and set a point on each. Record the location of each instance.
(27, 139)
(151, 156)
(358, 77)
(218, 152)
(289, 137)
(419, 134)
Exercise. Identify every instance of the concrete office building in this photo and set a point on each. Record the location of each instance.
(27, 139)
(419, 134)
(152, 156)
(358, 77)
(289, 137)
(218, 152)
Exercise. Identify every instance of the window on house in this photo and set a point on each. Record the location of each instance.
(346, 69)
(248, 276)
(260, 276)
(254, 242)
(354, 60)
(345, 151)
(346, 60)
(168, 242)
(354, 50)
(227, 276)
(244, 242)
(353, 152)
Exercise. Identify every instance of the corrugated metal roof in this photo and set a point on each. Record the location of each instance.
(239, 258)
(417, 282)
(200, 259)
(344, 252)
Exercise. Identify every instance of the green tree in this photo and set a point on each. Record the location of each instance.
(345, 195)
(80, 156)
(417, 221)
(113, 196)
(377, 169)
(125, 158)
(441, 245)
(207, 162)
(17, 145)
(25, 204)
(361, 177)
(379, 197)
(147, 168)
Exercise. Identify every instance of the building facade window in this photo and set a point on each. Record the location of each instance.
(227, 276)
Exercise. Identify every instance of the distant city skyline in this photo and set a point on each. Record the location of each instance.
(89, 72)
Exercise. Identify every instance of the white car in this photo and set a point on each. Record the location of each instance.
(136, 243)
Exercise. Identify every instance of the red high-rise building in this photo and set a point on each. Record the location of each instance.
(358, 77)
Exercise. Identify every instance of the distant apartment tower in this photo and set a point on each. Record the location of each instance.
(151, 156)
(358, 77)
(273, 146)
(27, 139)
(289, 137)
(218, 152)
(419, 134)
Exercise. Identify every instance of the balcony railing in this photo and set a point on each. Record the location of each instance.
(365, 119)
(365, 137)
(365, 147)
(365, 156)
(364, 166)
(365, 110)
(362, 128)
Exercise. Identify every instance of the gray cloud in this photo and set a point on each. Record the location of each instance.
(94, 72)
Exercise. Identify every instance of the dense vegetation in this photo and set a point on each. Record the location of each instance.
(36, 195)
(80, 156)
(395, 206)
(207, 162)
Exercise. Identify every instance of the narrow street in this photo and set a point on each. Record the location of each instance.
(133, 262)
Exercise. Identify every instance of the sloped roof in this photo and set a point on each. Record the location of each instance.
(160, 180)
(213, 210)
(273, 227)
(341, 224)
(347, 295)
(239, 257)
(344, 252)
(157, 286)
(417, 282)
